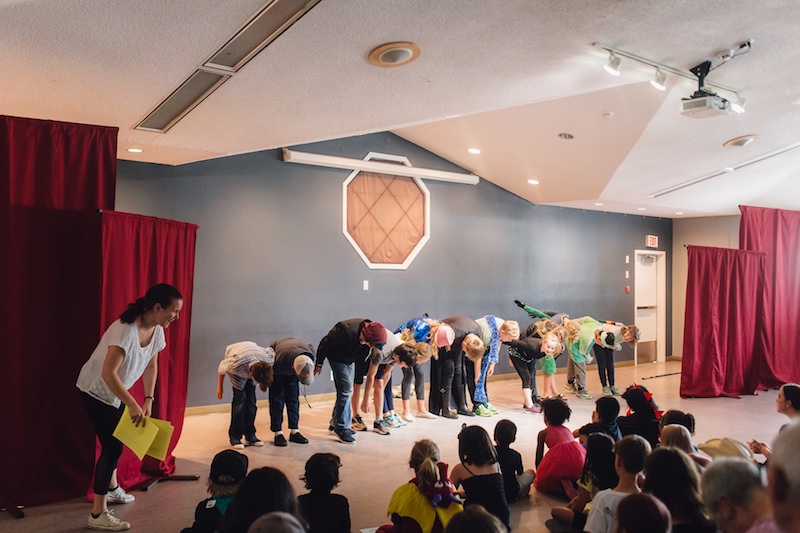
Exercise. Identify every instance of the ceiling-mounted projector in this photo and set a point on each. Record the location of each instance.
(705, 105)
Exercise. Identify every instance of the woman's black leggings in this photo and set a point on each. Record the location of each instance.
(418, 375)
(104, 419)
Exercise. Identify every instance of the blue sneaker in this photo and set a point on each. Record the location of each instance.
(345, 435)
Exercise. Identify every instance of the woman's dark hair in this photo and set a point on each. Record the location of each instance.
(263, 491)
(674, 416)
(322, 472)
(599, 462)
(556, 411)
(475, 446)
(672, 478)
(791, 393)
(642, 513)
(163, 294)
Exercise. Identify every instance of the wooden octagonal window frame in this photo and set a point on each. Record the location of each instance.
(425, 225)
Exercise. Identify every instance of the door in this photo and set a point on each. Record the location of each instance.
(650, 312)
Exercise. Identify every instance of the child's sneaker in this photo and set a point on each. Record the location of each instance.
(482, 410)
(583, 394)
(118, 495)
(606, 391)
(492, 409)
(107, 522)
(358, 424)
(569, 387)
(379, 427)
(532, 409)
(614, 390)
(237, 444)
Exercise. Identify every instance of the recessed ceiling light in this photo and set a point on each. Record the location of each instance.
(394, 54)
(533, 182)
(475, 151)
(598, 204)
(135, 150)
(567, 136)
(728, 169)
(641, 209)
(678, 212)
(738, 142)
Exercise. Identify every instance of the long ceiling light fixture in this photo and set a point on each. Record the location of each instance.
(724, 171)
(660, 79)
(346, 163)
(262, 29)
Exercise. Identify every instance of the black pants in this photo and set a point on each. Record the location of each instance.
(104, 419)
(417, 374)
(605, 364)
(435, 398)
(243, 412)
(527, 373)
(285, 390)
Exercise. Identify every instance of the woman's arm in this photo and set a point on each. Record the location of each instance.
(111, 364)
(149, 381)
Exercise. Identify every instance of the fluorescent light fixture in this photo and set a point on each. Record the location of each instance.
(135, 150)
(533, 182)
(659, 80)
(599, 204)
(612, 67)
(346, 163)
(678, 212)
(182, 100)
(473, 151)
(641, 209)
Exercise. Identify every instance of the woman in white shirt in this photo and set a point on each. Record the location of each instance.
(127, 351)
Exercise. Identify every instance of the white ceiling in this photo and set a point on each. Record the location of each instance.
(505, 76)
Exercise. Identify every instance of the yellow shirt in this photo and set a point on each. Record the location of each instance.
(408, 501)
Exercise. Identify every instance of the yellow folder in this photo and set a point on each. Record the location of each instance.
(150, 439)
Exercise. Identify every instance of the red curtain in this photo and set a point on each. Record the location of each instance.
(49, 315)
(138, 252)
(44, 163)
(777, 233)
(724, 312)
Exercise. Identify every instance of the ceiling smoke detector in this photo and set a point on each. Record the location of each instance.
(394, 54)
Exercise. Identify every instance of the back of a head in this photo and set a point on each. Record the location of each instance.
(475, 519)
(322, 472)
(607, 408)
(505, 432)
(277, 522)
(264, 490)
(642, 513)
(640, 400)
(677, 436)
(424, 456)
(784, 476)
(632, 451)
(674, 416)
(475, 446)
(671, 476)
(556, 411)
(732, 479)
(791, 393)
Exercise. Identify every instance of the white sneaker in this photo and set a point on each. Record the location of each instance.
(107, 522)
(118, 495)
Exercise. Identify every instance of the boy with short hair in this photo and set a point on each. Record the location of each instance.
(629, 458)
(228, 470)
(517, 482)
(604, 420)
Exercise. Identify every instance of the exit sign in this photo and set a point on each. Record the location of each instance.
(652, 241)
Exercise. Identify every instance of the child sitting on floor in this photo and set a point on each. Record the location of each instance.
(604, 420)
(324, 512)
(557, 471)
(228, 469)
(517, 481)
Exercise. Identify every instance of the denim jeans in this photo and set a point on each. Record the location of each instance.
(343, 374)
(285, 390)
(243, 412)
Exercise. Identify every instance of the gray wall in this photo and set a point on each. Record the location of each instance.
(272, 260)
(719, 232)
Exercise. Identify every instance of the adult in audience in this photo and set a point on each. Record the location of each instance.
(735, 493)
(346, 342)
(783, 474)
(642, 513)
(264, 490)
(670, 476)
(294, 364)
(127, 351)
(245, 363)
(787, 403)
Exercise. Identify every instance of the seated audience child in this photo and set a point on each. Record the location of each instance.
(228, 469)
(783, 475)
(517, 481)
(263, 491)
(604, 420)
(642, 417)
(787, 403)
(630, 455)
(642, 513)
(277, 522)
(677, 436)
(674, 416)
(736, 496)
(324, 512)
(475, 519)
(479, 473)
(560, 468)
(598, 474)
(670, 476)
(426, 503)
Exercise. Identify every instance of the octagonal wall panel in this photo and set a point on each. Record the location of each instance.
(386, 217)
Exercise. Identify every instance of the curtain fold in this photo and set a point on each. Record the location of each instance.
(724, 322)
(776, 232)
(59, 165)
(138, 252)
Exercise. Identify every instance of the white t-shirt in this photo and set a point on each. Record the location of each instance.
(603, 514)
(126, 336)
